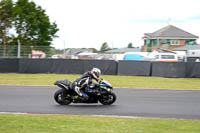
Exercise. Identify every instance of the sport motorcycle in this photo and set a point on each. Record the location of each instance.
(101, 92)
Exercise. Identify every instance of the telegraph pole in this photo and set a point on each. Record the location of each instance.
(64, 49)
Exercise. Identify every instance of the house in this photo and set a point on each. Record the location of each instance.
(191, 52)
(187, 48)
(86, 55)
(118, 54)
(73, 53)
(38, 54)
(169, 37)
(123, 50)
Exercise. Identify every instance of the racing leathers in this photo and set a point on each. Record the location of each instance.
(83, 82)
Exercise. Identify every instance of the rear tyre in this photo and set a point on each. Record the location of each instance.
(62, 97)
(107, 98)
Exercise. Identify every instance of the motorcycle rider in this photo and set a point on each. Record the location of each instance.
(84, 81)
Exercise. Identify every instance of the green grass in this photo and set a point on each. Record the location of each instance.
(33, 123)
(116, 81)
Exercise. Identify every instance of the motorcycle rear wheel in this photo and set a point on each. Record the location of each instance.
(107, 98)
(62, 97)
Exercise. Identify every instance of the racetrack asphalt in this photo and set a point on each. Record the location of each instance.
(179, 104)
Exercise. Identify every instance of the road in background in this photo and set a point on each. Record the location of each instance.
(181, 104)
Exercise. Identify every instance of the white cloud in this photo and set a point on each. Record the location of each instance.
(89, 23)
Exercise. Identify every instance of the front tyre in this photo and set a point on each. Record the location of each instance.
(107, 98)
(62, 97)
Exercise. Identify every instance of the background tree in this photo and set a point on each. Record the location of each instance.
(130, 45)
(33, 26)
(6, 11)
(104, 47)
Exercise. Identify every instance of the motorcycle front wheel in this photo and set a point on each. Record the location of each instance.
(62, 97)
(107, 98)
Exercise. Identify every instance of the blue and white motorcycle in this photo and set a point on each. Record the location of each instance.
(103, 93)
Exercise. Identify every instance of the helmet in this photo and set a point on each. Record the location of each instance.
(96, 72)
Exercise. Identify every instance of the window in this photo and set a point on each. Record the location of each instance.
(189, 42)
(155, 42)
(157, 56)
(168, 41)
(174, 42)
(167, 57)
(148, 42)
(163, 41)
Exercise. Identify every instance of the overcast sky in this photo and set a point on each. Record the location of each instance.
(90, 23)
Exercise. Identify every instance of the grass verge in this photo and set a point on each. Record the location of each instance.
(116, 81)
(34, 123)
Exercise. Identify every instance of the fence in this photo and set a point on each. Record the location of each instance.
(108, 67)
(65, 66)
(138, 68)
(9, 65)
(14, 51)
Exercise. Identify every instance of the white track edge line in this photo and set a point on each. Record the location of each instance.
(12, 113)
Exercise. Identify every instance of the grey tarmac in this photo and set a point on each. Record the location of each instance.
(179, 104)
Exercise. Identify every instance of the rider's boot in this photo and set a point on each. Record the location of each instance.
(82, 95)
